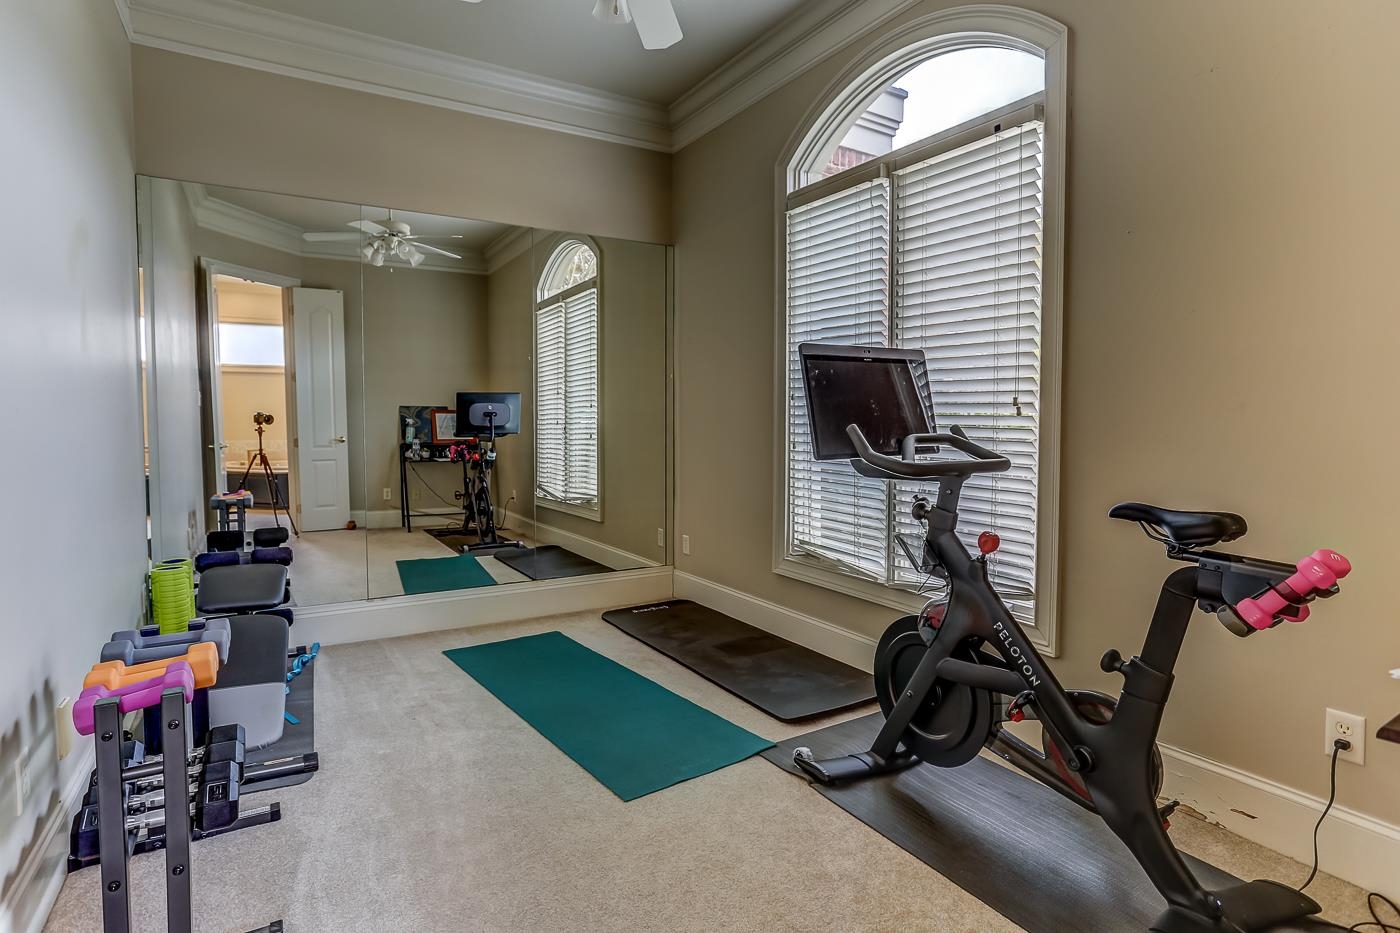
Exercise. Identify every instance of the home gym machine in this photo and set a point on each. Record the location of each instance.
(949, 678)
(482, 417)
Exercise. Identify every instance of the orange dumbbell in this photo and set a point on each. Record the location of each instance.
(203, 659)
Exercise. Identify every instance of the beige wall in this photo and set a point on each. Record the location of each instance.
(425, 335)
(1230, 332)
(633, 406)
(69, 353)
(206, 121)
(244, 390)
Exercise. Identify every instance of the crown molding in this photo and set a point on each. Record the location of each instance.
(252, 37)
(507, 246)
(784, 53)
(124, 14)
(218, 216)
(241, 34)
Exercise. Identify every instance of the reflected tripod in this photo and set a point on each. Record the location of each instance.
(260, 422)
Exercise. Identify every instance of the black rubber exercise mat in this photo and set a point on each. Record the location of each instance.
(298, 739)
(786, 681)
(1009, 841)
(549, 562)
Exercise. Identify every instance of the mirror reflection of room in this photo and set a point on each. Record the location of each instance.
(419, 403)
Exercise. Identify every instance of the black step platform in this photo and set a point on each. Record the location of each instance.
(1009, 841)
(549, 562)
(786, 681)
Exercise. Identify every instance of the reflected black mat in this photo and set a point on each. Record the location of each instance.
(786, 681)
(454, 539)
(299, 739)
(549, 562)
(1009, 841)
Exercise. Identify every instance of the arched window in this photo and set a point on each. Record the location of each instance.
(566, 381)
(915, 217)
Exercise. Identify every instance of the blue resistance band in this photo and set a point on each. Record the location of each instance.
(298, 666)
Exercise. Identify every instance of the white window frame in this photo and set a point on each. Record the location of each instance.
(848, 95)
(595, 513)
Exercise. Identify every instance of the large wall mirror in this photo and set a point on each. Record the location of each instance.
(425, 403)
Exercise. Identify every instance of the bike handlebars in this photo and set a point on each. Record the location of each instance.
(881, 466)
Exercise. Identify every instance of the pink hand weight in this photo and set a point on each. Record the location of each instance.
(1317, 572)
(133, 696)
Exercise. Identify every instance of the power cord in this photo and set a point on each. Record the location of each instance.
(1373, 900)
(1338, 746)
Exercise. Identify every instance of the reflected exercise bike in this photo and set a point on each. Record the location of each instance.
(949, 678)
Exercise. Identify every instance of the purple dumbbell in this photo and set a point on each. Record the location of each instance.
(133, 696)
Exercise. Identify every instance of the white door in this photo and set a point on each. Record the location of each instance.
(215, 403)
(323, 455)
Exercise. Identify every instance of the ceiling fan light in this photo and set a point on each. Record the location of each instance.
(415, 258)
(612, 11)
(377, 259)
(367, 251)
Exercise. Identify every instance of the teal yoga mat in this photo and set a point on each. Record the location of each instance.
(438, 574)
(635, 736)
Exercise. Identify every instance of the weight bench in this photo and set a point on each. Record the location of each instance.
(240, 589)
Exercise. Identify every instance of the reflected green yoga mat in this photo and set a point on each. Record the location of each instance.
(438, 574)
(633, 735)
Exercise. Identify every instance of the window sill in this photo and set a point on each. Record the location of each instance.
(814, 572)
(592, 515)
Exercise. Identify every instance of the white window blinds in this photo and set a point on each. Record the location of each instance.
(566, 392)
(960, 234)
(837, 287)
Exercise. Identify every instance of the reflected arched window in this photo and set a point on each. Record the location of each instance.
(566, 381)
(914, 218)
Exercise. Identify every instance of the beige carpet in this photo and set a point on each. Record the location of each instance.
(439, 810)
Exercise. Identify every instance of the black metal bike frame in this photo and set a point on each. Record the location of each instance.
(1113, 758)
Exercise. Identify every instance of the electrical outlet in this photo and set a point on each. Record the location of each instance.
(1350, 727)
(685, 545)
(21, 781)
(63, 727)
(387, 493)
(661, 537)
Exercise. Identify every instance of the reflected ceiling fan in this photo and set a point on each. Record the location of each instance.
(388, 239)
(655, 19)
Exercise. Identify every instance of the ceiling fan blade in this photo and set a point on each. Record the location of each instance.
(368, 226)
(329, 237)
(433, 249)
(656, 23)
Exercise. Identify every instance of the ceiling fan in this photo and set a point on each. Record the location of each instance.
(655, 19)
(389, 239)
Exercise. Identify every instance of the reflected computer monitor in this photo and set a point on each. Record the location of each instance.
(481, 412)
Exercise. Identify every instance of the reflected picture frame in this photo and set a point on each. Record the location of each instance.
(444, 421)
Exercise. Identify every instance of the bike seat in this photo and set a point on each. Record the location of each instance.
(1184, 529)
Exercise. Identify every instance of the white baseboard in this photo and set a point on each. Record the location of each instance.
(392, 518)
(412, 615)
(818, 634)
(1355, 847)
(605, 554)
(34, 882)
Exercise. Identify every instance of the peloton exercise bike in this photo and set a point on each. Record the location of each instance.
(950, 677)
(482, 418)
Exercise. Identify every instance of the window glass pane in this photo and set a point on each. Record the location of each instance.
(571, 264)
(251, 345)
(937, 95)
